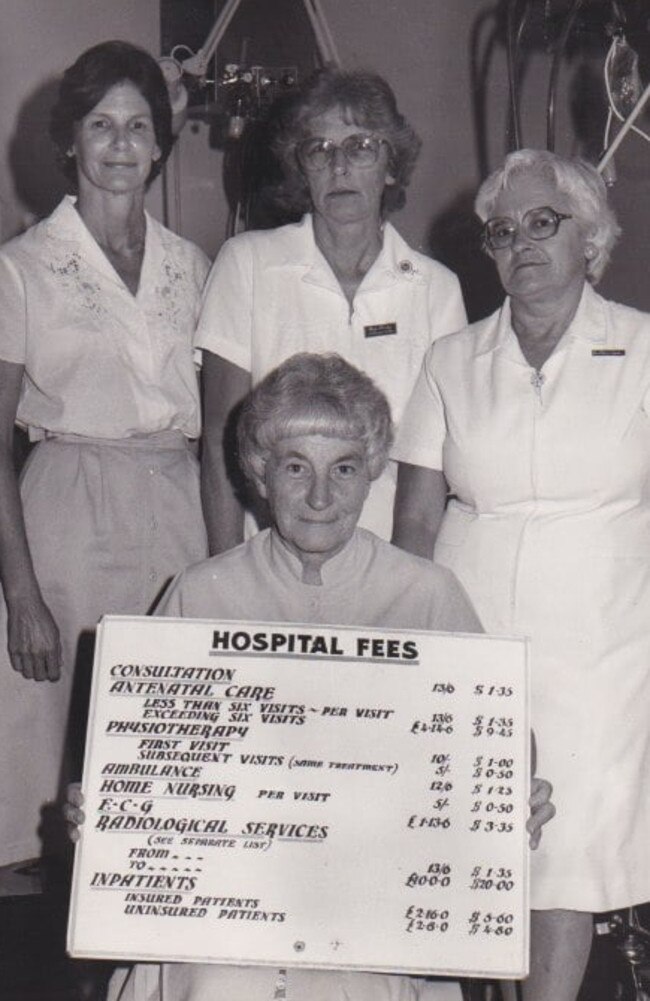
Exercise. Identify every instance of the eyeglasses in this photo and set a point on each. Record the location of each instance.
(536, 224)
(359, 150)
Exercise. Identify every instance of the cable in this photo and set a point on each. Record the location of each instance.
(512, 72)
(555, 73)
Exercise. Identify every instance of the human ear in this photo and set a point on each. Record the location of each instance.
(257, 467)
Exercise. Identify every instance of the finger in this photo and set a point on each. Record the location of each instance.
(40, 666)
(74, 794)
(541, 816)
(74, 833)
(23, 664)
(74, 815)
(541, 792)
(53, 664)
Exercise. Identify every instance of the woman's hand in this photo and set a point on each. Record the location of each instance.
(72, 811)
(33, 639)
(541, 809)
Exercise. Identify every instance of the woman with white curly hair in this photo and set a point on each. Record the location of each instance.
(537, 422)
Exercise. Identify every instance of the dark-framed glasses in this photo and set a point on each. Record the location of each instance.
(536, 224)
(359, 150)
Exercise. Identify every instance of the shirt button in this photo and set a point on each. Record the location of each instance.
(152, 575)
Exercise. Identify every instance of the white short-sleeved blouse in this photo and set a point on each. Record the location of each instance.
(100, 361)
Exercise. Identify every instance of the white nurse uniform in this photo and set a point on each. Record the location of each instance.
(548, 529)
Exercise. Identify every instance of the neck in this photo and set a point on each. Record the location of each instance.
(540, 324)
(311, 563)
(349, 246)
(116, 221)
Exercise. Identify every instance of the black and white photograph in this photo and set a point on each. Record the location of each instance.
(324, 347)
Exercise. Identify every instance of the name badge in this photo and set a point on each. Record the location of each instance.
(380, 329)
(607, 352)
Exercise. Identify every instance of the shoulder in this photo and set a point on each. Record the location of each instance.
(272, 243)
(178, 247)
(411, 569)
(462, 346)
(624, 320)
(410, 262)
(205, 589)
(427, 586)
(33, 240)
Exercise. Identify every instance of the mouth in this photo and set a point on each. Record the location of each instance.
(528, 264)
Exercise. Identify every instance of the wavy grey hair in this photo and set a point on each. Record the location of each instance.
(366, 100)
(314, 394)
(575, 178)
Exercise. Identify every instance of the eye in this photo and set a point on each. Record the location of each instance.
(501, 228)
(294, 469)
(542, 223)
(98, 124)
(141, 125)
(344, 470)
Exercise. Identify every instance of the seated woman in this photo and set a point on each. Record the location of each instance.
(312, 437)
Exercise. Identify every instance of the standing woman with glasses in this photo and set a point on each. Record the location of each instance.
(537, 421)
(340, 280)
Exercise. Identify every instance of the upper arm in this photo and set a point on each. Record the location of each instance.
(419, 506)
(225, 325)
(224, 386)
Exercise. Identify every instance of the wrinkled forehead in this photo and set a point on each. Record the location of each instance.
(335, 119)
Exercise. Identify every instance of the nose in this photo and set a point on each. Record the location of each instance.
(520, 239)
(319, 494)
(120, 137)
(339, 161)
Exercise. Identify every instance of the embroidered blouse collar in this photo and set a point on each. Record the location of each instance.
(66, 225)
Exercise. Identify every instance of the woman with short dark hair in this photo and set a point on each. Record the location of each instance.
(97, 310)
(340, 280)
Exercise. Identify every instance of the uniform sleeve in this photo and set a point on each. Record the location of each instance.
(201, 272)
(447, 308)
(13, 313)
(226, 322)
(423, 426)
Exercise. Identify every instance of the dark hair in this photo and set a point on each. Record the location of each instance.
(86, 82)
(370, 103)
(314, 394)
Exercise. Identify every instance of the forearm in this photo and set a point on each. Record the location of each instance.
(222, 510)
(224, 387)
(419, 507)
(16, 567)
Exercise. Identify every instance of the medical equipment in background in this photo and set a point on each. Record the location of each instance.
(625, 98)
(242, 95)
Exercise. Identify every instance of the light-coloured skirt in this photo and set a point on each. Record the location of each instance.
(108, 524)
